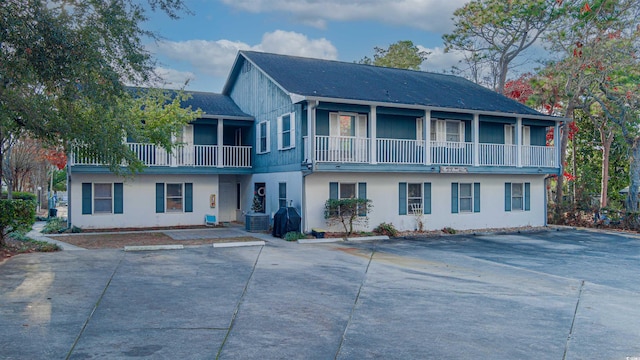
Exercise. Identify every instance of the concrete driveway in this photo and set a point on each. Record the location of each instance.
(547, 295)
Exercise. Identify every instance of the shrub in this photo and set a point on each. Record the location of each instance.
(347, 212)
(294, 235)
(19, 195)
(386, 229)
(449, 230)
(55, 226)
(16, 215)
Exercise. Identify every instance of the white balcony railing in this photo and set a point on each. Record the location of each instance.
(451, 153)
(345, 149)
(402, 151)
(185, 155)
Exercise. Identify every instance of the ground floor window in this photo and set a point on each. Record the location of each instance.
(102, 198)
(282, 194)
(348, 190)
(517, 196)
(414, 198)
(174, 197)
(465, 197)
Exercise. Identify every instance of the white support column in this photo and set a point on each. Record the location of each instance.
(518, 142)
(220, 159)
(311, 132)
(426, 136)
(373, 142)
(476, 139)
(556, 144)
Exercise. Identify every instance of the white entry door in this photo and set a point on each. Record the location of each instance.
(227, 203)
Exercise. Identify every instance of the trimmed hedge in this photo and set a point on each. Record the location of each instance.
(19, 195)
(16, 215)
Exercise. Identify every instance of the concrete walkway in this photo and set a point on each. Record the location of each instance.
(550, 295)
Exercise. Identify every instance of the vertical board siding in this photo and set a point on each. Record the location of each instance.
(256, 94)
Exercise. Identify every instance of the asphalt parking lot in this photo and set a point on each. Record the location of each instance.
(548, 295)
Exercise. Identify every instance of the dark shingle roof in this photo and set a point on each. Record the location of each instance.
(342, 80)
(214, 104)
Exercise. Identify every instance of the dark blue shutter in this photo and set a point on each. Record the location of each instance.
(527, 196)
(86, 198)
(333, 190)
(188, 197)
(362, 194)
(159, 197)
(118, 207)
(476, 197)
(427, 199)
(454, 198)
(507, 196)
(402, 198)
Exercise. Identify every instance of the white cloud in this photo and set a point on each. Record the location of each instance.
(215, 58)
(431, 15)
(173, 79)
(438, 60)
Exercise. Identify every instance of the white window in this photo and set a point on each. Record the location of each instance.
(447, 130)
(414, 198)
(174, 197)
(348, 124)
(286, 131)
(263, 140)
(466, 197)
(517, 196)
(510, 135)
(102, 198)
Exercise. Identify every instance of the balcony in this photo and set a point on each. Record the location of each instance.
(186, 155)
(346, 149)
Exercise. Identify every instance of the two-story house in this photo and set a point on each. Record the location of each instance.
(298, 131)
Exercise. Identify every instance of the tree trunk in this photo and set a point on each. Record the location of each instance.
(634, 175)
(607, 140)
(564, 140)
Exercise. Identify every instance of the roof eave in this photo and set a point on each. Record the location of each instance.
(301, 98)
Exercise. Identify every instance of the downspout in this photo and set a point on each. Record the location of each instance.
(310, 163)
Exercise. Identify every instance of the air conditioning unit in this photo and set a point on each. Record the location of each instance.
(256, 222)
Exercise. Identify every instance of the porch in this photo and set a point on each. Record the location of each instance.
(351, 149)
(185, 155)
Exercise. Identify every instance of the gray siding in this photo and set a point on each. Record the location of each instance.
(257, 95)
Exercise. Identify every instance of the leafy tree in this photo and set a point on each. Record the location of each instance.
(347, 212)
(63, 64)
(496, 32)
(401, 55)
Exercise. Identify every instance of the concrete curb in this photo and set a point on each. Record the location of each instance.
(239, 244)
(368, 238)
(319, 241)
(153, 247)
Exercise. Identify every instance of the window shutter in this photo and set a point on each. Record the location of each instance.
(402, 198)
(476, 197)
(526, 135)
(118, 207)
(427, 199)
(188, 197)
(441, 131)
(268, 136)
(159, 197)
(507, 196)
(361, 131)
(454, 198)
(279, 130)
(258, 133)
(292, 126)
(362, 194)
(87, 198)
(419, 129)
(527, 196)
(334, 125)
(462, 134)
(188, 135)
(333, 190)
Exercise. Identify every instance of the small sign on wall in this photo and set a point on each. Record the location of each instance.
(453, 169)
(212, 201)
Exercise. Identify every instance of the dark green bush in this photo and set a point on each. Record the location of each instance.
(55, 226)
(294, 235)
(386, 229)
(18, 195)
(16, 215)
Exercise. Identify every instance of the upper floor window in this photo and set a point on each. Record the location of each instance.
(510, 135)
(447, 130)
(263, 140)
(286, 131)
(348, 125)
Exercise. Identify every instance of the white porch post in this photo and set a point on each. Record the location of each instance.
(220, 159)
(476, 139)
(426, 136)
(311, 131)
(519, 142)
(373, 142)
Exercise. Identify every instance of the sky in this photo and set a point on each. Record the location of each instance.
(201, 46)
